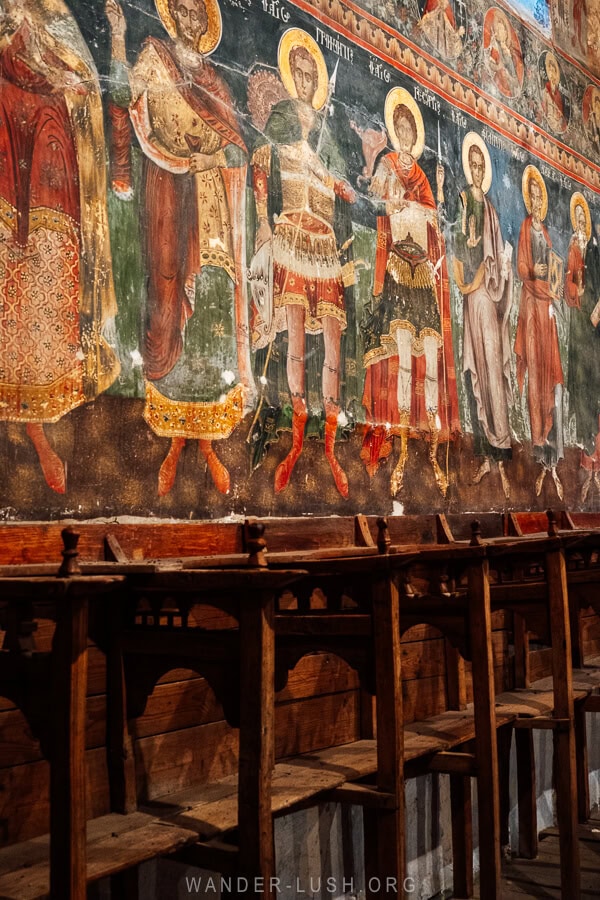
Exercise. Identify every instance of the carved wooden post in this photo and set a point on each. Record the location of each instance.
(484, 700)
(67, 764)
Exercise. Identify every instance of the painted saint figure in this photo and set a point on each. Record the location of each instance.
(297, 202)
(439, 27)
(56, 288)
(483, 274)
(591, 115)
(553, 104)
(536, 342)
(582, 294)
(503, 53)
(196, 343)
(410, 385)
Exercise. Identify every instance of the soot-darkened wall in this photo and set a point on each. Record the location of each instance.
(275, 257)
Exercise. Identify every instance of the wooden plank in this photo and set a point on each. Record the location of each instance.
(115, 843)
(172, 762)
(25, 801)
(41, 542)
(18, 746)
(315, 723)
(318, 673)
(176, 705)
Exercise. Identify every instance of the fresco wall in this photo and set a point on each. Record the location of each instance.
(281, 258)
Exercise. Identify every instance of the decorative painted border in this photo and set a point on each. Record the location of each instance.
(391, 47)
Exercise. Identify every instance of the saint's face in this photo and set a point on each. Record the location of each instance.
(553, 74)
(597, 106)
(190, 19)
(303, 73)
(535, 196)
(404, 133)
(500, 31)
(580, 219)
(477, 167)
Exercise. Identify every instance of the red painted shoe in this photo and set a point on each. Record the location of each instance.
(168, 470)
(284, 470)
(50, 462)
(339, 476)
(218, 472)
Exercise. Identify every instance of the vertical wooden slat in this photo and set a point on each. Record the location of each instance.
(521, 639)
(526, 793)
(488, 799)
(462, 835)
(564, 740)
(119, 746)
(67, 765)
(257, 740)
(456, 685)
(389, 824)
(583, 786)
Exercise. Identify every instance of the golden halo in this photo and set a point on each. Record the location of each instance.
(472, 139)
(211, 38)
(295, 37)
(531, 173)
(579, 200)
(400, 97)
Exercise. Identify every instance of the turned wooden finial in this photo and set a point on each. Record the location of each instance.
(552, 529)
(476, 533)
(383, 535)
(69, 565)
(256, 544)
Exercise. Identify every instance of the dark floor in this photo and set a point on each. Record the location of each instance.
(540, 877)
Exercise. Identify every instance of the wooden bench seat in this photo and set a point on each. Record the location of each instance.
(114, 843)
(164, 826)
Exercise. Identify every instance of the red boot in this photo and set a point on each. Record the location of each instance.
(51, 464)
(339, 476)
(168, 470)
(218, 471)
(285, 468)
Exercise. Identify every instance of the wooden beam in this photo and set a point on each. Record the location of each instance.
(362, 532)
(215, 856)
(454, 763)
(113, 550)
(547, 723)
(362, 795)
